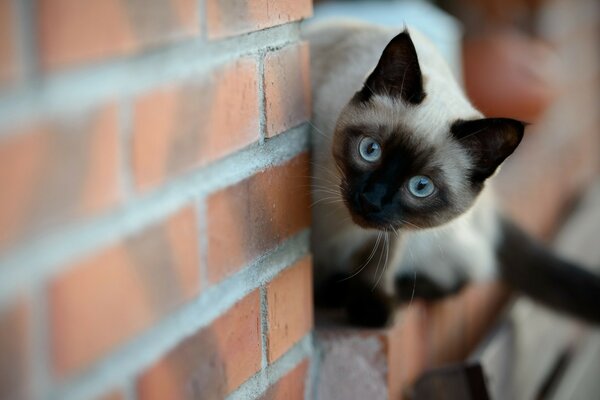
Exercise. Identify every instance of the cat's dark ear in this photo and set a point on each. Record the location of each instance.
(397, 73)
(489, 141)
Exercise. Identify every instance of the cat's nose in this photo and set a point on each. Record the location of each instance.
(369, 204)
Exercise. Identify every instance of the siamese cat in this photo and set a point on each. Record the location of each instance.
(402, 183)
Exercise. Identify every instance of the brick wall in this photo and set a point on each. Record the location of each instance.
(155, 210)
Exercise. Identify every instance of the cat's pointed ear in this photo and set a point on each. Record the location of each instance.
(397, 73)
(489, 141)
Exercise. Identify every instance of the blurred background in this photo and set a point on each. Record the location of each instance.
(155, 205)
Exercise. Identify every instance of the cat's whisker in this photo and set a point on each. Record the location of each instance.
(325, 191)
(379, 261)
(328, 195)
(319, 186)
(330, 177)
(320, 132)
(327, 200)
(322, 167)
(363, 266)
(339, 169)
(327, 180)
(412, 295)
(387, 251)
(321, 194)
(410, 224)
(368, 87)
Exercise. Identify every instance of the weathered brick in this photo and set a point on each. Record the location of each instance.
(179, 127)
(287, 88)
(105, 299)
(384, 363)
(530, 198)
(291, 386)
(14, 348)
(114, 395)
(56, 171)
(211, 363)
(253, 216)
(406, 349)
(290, 308)
(232, 17)
(8, 62)
(74, 32)
(457, 324)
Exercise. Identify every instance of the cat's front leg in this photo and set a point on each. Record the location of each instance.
(370, 299)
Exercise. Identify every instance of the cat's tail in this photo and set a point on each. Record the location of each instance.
(531, 268)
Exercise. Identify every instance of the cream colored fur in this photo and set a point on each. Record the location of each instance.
(343, 53)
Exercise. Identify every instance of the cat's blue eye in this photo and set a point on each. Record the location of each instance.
(369, 149)
(420, 186)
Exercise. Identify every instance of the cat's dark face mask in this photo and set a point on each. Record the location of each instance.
(388, 184)
(391, 180)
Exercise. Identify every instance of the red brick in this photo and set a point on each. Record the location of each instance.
(179, 127)
(290, 308)
(14, 348)
(107, 298)
(424, 335)
(405, 347)
(530, 198)
(57, 171)
(255, 215)
(213, 362)
(287, 88)
(114, 395)
(291, 386)
(559, 154)
(74, 32)
(8, 62)
(457, 324)
(232, 17)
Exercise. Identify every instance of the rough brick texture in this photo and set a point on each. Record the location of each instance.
(211, 363)
(191, 123)
(291, 387)
(231, 17)
(290, 308)
(72, 32)
(8, 62)
(379, 364)
(115, 395)
(115, 111)
(287, 88)
(107, 298)
(255, 215)
(55, 171)
(14, 348)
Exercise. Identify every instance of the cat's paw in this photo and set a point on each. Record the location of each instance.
(409, 286)
(369, 308)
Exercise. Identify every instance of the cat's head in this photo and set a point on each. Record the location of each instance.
(411, 151)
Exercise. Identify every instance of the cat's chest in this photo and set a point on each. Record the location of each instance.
(465, 248)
